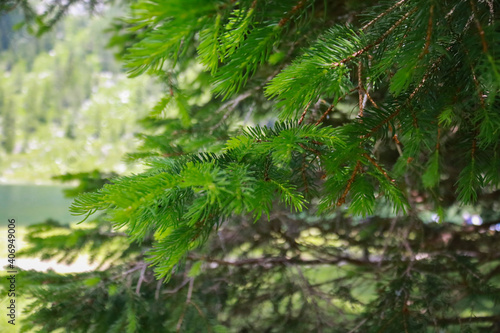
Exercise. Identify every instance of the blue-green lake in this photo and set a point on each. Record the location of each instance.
(30, 204)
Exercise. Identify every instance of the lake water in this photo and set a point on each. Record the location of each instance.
(30, 204)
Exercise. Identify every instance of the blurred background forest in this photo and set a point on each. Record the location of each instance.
(66, 107)
(65, 104)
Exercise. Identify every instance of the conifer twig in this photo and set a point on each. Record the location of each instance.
(396, 5)
(316, 152)
(330, 108)
(341, 200)
(367, 94)
(428, 34)
(479, 27)
(398, 144)
(292, 12)
(412, 95)
(304, 113)
(378, 41)
(372, 161)
(360, 89)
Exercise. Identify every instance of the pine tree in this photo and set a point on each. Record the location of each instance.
(304, 173)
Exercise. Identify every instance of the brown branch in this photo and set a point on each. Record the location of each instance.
(372, 161)
(429, 34)
(414, 117)
(294, 10)
(341, 200)
(316, 152)
(479, 28)
(438, 137)
(360, 89)
(330, 108)
(378, 41)
(304, 113)
(333, 105)
(370, 98)
(478, 87)
(396, 5)
(412, 95)
(398, 144)
(474, 145)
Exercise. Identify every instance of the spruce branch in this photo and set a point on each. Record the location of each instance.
(367, 94)
(360, 90)
(304, 113)
(479, 27)
(428, 33)
(379, 168)
(417, 89)
(376, 42)
(384, 13)
(357, 169)
(330, 108)
(292, 12)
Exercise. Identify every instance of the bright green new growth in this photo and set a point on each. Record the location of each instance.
(422, 71)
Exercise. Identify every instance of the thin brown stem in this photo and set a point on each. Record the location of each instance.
(412, 95)
(370, 98)
(294, 10)
(396, 5)
(304, 113)
(428, 34)
(316, 152)
(479, 27)
(379, 168)
(341, 200)
(333, 105)
(360, 89)
(378, 41)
